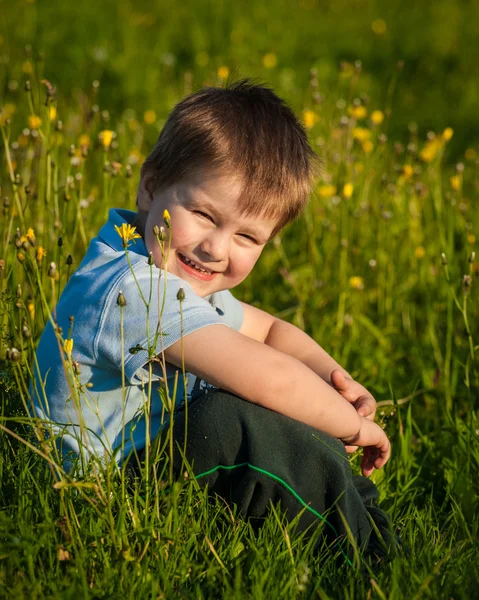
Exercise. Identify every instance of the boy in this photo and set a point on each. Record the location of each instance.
(267, 406)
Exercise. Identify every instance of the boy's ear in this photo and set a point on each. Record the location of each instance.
(145, 192)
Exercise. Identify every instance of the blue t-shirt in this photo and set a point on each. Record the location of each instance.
(93, 411)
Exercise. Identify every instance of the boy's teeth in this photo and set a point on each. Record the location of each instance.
(193, 264)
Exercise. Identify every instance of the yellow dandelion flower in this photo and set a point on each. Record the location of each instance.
(358, 112)
(310, 118)
(379, 26)
(430, 150)
(471, 238)
(361, 133)
(106, 137)
(127, 233)
(368, 146)
(377, 117)
(149, 117)
(356, 282)
(41, 253)
(52, 113)
(34, 122)
(223, 72)
(167, 218)
(455, 182)
(348, 190)
(420, 252)
(326, 191)
(407, 171)
(270, 60)
(470, 154)
(447, 134)
(30, 234)
(68, 347)
(31, 309)
(22, 140)
(84, 140)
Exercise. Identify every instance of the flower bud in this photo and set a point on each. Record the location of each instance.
(69, 260)
(472, 258)
(180, 294)
(53, 271)
(28, 86)
(13, 355)
(151, 260)
(60, 242)
(443, 259)
(121, 300)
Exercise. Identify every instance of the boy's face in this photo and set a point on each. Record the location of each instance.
(213, 247)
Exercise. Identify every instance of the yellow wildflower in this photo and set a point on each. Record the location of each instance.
(149, 117)
(52, 113)
(447, 133)
(367, 146)
(361, 134)
(348, 190)
(358, 112)
(106, 137)
(223, 72)
(30, 234)
(31, 309)
(309, 118)
(356, 282)
(379, 26)
(270, 60)
(84, 140)
(430, 150)
(41, 253)
(471, 238)
(34, 122)
(127, 233)
(377, 117)
(167, 218)
(407, 171)
(68, 347)
(420, 252)
(326, 191)
(456, 182)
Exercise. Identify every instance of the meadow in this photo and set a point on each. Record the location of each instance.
(381, 270)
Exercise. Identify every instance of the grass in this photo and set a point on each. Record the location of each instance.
(362, 271)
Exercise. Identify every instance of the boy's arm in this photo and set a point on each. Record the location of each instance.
(275, 380)
(263, 327)
(287, 338)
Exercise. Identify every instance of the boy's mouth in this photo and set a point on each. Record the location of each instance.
(194, 269)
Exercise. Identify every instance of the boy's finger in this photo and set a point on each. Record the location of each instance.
(365, 406)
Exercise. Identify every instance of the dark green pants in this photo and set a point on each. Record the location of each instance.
(253, 457)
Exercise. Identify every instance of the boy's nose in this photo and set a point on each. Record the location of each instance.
(215, 245)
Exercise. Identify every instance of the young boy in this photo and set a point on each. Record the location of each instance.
(269, 411)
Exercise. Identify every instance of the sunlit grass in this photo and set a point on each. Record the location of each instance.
(380, 270)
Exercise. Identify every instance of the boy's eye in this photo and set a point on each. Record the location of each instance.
(248, 237)
(205, 215)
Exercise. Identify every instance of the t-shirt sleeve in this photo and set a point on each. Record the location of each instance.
(229, 308)
(154, 318)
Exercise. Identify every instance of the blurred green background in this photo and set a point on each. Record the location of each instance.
(147, 54)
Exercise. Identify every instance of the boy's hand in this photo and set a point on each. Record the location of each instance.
(377, 448)
(356, 394)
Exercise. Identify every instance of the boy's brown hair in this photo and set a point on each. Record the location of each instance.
(243, 130)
